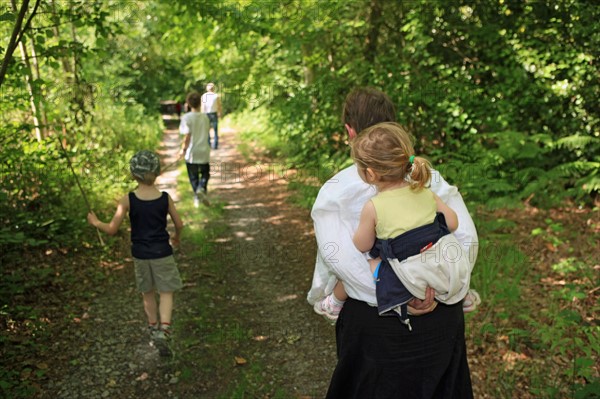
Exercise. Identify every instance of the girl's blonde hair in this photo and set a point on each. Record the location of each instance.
(387, 149)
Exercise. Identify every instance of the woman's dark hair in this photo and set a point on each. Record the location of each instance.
(365, 107)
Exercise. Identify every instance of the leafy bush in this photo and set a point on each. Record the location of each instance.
(36, 186)
(41, 203)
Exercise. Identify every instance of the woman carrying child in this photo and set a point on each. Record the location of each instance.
(401, 223)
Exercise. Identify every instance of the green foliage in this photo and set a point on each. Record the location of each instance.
(510, 168)
(502, 96)
(101, 120)
(486, 87)
(36, 185)
(41, 203)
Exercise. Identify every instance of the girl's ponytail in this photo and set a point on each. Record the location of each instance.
(419, 173)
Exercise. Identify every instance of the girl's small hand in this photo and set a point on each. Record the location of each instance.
(92, 218)
(175, 241)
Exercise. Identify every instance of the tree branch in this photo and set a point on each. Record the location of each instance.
(28, 23)
(17, 35)
(12, 44)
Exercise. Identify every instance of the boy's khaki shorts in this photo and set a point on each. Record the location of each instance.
(161, 274)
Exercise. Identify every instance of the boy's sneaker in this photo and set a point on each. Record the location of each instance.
(471, 301)
(196, 201)
(326, 308)
(153, 330)
(201, 196)
(161, 342)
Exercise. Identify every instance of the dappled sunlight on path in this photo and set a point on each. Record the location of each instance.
(169, 153)
(265, 254)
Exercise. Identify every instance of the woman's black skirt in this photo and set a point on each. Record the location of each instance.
(379, 358)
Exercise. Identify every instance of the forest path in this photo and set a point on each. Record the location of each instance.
(242, 327)
(248, 322)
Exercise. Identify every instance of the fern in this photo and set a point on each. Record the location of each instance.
(500, 186)
(589, 184)
(525, 175)
(576, 169)
(576, 142)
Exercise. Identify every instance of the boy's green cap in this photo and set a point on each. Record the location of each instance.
(144, 162)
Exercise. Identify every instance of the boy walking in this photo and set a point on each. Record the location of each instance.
(196, 149)
(155, 267)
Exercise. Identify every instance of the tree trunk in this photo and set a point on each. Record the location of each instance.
(14, 38)
(80, 93)
(309, 73)
(42, 109)
(374, 29)
(30, 89)
(309, 70)
(67, 69)
(35, 112)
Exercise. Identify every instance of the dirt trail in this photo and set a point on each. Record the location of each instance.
(265, 254)
(263, 251)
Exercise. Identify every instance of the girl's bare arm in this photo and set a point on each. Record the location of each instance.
(364, 237)
(449, 214)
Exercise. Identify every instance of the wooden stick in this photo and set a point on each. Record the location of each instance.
(169, 166)
(87, 203)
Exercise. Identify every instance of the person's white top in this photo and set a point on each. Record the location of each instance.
(336, 213)
(445, 267)
(198, 125)
(209, 102)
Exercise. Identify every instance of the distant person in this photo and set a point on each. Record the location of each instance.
(211, 106)
(196, 149)
(155, 267)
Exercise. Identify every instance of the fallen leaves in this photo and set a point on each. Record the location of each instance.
(511, 358)
(240, 361)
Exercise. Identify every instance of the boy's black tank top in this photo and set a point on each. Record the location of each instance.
(149, 236)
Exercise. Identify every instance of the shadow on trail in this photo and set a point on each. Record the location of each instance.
(256, 328)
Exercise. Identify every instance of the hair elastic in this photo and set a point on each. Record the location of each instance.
(411, 159)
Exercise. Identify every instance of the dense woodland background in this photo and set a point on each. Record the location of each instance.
(501, 94)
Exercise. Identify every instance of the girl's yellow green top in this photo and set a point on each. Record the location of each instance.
(402, 209)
